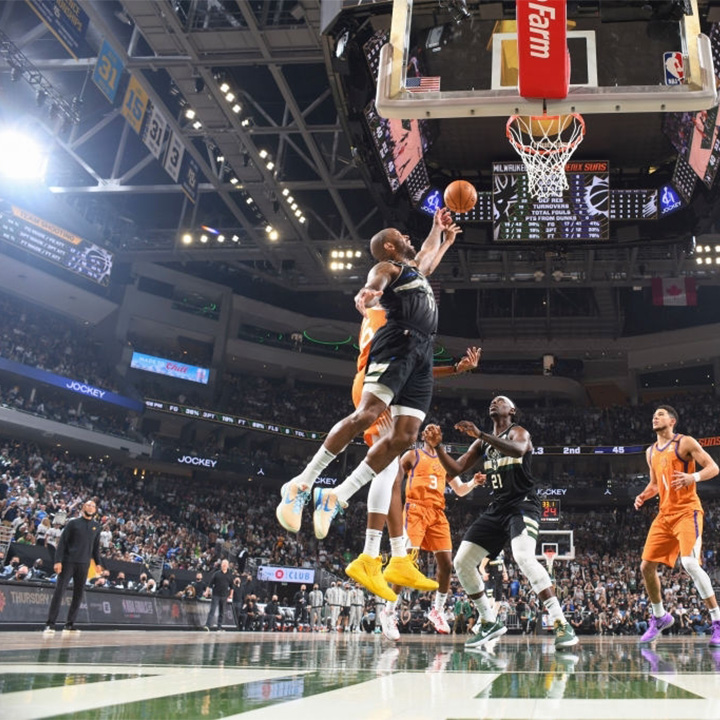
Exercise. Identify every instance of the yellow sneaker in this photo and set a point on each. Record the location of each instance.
(367, 571)
(404, 571)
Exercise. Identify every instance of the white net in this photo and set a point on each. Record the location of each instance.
(545, 143)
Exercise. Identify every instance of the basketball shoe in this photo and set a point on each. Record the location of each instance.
(289, 512)
(715, 637)
(439, 621)
(565, 636)
(403, 571)
(367, 571)
(657, 625)
(388, 623)
(486, 631)
(327, 507)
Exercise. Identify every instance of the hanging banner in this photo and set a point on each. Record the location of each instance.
(66, 20)
(174, 157)
(189, 177)
(108, 71)
(134, 104)
(154, 131)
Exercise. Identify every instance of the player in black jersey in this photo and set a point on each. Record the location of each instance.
(399, 370)
(514, 515)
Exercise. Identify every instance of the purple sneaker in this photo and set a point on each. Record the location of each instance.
(657, 625)
(715, 639)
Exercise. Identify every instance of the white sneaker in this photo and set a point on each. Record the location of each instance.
(439, 621)
(388, 623)
(49, 631)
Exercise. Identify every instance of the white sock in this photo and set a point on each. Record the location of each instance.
(320, 461)
(658, 609)
(440, 599)
(485, 608)
(715, 613)
(358, 478)
(372, 542)
(552, 605)
(390, 606)
(397, 547)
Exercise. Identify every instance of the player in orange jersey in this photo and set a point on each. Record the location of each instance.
(677, 528)
(426, 526)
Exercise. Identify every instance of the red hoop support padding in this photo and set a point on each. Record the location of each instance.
(543, 57)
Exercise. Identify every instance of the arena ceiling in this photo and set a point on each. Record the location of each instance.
(292, 136)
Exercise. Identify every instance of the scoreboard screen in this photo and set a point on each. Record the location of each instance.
(582, 213)
(549, 511)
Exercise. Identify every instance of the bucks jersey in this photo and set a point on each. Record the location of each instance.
(409, 301)
(509, 478)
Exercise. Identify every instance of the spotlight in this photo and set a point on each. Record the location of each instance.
(221, 238)
(224, 87)
(285, 192)
(263, 154)
(21, 157)
(274, 235)
(203, 238)
(235, 238)
(249, 201)
(197, 124)
(290, 199)
(220, 158)
(230, 97)
(189, 113)
(236, 108)
(233, 181)
(187, 239)
(301, 220)
(270, 165)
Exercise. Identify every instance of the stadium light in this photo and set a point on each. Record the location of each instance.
(21, 156)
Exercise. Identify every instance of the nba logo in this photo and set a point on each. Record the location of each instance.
(674, 68)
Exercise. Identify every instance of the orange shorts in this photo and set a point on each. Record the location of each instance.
(382, 425)
(673, 535)
(427, 528)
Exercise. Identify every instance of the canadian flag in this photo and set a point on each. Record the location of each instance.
(674, 291)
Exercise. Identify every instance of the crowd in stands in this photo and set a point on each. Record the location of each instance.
(191, 526)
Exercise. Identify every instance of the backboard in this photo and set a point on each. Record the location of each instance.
(620, 63)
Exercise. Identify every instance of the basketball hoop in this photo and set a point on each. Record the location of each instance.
(545, 143)
(549, 559)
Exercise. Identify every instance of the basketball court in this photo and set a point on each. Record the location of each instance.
(127, 675)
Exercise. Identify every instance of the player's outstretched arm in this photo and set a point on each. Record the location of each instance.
(448, 239)
(425, 257)
(515, 445)
(467, 363)
(690, 447)
(463, 488)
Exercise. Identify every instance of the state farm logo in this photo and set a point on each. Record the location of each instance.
(2, 601)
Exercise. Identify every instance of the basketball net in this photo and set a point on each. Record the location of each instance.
(550, 559)
(545, 143)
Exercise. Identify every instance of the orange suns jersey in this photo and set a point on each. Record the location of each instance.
(426, 481)
(664, 461)
(370, 325)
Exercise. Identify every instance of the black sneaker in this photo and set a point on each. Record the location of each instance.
(70, 630)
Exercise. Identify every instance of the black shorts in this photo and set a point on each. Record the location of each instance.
(500, 523)
(402, 360)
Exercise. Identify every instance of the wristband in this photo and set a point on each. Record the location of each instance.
(696, 477)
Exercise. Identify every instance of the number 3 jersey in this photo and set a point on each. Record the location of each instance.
(509, 478)
(426, 481)
(665, 461)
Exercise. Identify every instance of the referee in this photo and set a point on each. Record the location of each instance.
(78, 544)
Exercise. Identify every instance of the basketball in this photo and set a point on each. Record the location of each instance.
(460, 196)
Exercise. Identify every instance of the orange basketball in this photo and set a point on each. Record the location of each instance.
(460, 196)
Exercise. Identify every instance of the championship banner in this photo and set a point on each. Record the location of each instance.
(174, 156)
(135, 104)
(108, 71)
(189, 177)
(66, 20)
(154, 131)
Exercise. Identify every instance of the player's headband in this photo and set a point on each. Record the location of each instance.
(508, 401)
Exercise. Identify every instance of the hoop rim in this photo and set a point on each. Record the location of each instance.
(570, 145)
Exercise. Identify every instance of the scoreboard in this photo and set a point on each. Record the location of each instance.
(582, 213)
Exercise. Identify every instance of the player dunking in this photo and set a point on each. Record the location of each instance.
(426, 525)
(513, 515)
(399, 372)
(677, 528)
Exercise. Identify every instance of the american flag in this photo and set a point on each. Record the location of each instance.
(422, 84)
